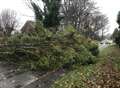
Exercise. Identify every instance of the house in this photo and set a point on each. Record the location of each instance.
(28, 27)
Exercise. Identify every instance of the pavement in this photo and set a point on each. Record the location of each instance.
(11, 77)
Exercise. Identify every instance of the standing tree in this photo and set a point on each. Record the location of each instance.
(76, 12)
(8, 22)
(100, 22)
(84, 16)
(116, 38)
(115, 34)
(49, 16)
(118, 19)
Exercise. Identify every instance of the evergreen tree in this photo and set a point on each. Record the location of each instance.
(117, 38)
(118, 19)
(115, 34)
(50, 16)
(37, 11)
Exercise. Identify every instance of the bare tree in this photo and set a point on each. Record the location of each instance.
(84, 16)
(97, 25)
(8, 21)
(75, 11)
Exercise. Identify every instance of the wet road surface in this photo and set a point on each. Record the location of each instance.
(11, 77)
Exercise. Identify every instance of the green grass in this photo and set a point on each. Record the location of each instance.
(110, 51)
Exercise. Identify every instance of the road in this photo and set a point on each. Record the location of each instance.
(11, 77)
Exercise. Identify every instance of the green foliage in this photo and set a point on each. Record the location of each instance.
(22, 39)
(116, 37)
(84, 57)
(40, 30)
(92, 46)
(41, 34)
(67, 31)
(37, 11)
(118, 19)
(115, 33)
(63, 49)
(50, 17)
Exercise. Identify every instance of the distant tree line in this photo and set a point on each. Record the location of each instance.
(82, 14)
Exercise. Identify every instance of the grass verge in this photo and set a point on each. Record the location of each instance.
(101, 75)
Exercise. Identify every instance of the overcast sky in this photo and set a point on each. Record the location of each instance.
(108, 7)
(23, 11)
